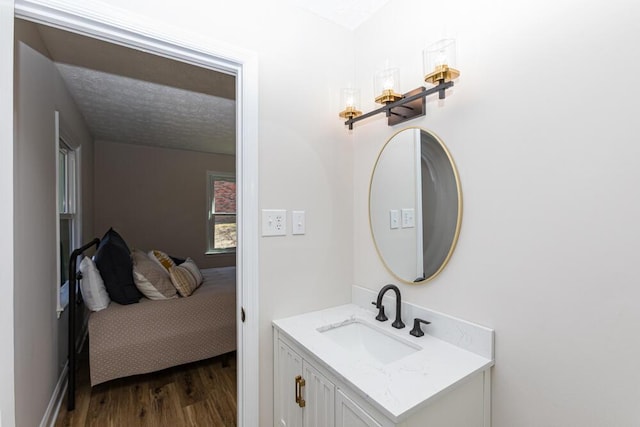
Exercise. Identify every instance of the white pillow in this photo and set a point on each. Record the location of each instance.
(92, 287)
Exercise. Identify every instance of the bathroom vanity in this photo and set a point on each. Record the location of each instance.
(340, 367)
(348, 366)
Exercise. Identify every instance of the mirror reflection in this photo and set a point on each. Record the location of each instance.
(415, 205)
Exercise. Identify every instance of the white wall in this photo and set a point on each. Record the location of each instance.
(39, 337)
(542, 127)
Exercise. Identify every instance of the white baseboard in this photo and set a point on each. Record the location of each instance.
(53, 409)
(51, 414)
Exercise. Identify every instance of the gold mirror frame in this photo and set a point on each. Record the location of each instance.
(458, 222)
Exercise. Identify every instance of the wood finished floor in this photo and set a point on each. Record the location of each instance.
(199, 394)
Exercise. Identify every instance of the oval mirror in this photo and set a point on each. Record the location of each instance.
(415, 205)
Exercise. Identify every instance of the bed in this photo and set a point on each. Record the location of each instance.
(150, 335)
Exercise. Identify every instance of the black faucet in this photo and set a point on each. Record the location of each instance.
(381, 316)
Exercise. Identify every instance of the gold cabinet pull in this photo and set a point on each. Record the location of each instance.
(299, 383)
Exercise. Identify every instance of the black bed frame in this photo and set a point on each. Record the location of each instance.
(74, 300)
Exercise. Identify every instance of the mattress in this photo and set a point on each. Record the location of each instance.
(151, 335)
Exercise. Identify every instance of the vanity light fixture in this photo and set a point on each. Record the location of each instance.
(439, 60)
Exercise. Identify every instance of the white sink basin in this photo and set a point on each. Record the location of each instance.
(366, 341)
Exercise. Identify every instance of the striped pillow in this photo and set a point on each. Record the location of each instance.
(190, 265)
(183, 280)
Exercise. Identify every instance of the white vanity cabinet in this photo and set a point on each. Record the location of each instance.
(321, 380)
(308, 395)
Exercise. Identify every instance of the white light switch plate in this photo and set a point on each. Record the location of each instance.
(274, 222)
(297, 222)
(408, 218)
(394, 219)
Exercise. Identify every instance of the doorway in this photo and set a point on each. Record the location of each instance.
(242, 65)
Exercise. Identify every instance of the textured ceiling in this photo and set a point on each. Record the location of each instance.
(348, 13)
(130, 96)
(122, 109)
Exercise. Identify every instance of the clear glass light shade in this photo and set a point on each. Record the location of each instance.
(349, 98)
(442, 52)
(439, 60)
(388, 79)
(386, 85)
(349, 103)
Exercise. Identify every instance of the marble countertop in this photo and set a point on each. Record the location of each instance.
(397, 389)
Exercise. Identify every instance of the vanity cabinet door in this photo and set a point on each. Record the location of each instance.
(288, 412)
(349, 414)
(304, 397)
(319, 395)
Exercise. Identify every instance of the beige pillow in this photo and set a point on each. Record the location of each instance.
(150, 278)
(190, 265)
(183, 280)
(162, 259)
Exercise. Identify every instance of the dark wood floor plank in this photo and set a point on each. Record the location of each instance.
(202, 414)
(165, 406)
(189, 386)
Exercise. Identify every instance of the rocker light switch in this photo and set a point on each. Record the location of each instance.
(297, 222)
(394, 219)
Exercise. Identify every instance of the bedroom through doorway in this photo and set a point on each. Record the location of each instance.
(164, 143)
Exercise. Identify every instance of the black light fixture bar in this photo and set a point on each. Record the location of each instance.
(391, 109)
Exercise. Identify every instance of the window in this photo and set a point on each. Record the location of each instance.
(221, 216)
(68, 209)
(66, 206)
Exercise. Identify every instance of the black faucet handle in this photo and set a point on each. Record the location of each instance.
(381, 317)
(417, 330)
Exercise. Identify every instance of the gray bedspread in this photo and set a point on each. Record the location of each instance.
(153, 335)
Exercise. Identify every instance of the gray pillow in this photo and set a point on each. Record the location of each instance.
(150, 278)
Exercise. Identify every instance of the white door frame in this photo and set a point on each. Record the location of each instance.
(113, 26)
(7, 390)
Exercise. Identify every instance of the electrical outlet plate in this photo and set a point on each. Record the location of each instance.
(274, 222)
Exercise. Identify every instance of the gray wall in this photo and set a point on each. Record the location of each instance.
(39, 336)
(156, 198)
